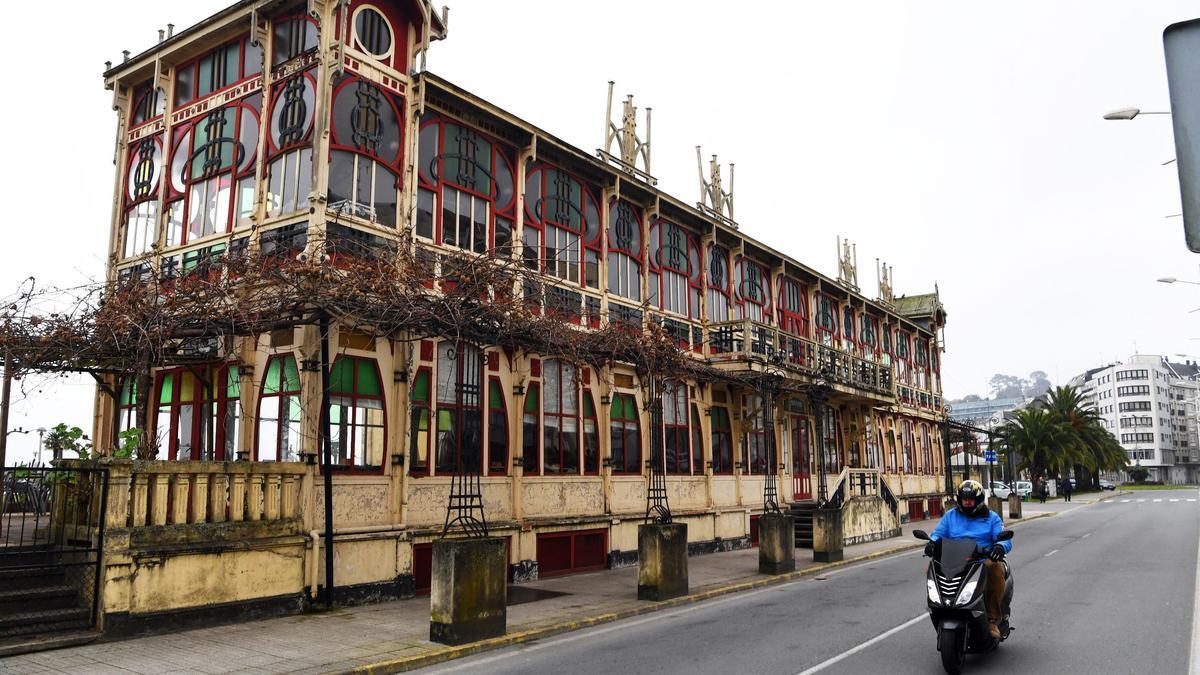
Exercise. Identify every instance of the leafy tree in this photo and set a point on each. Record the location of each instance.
(1037, 384)
(1041, 442)
(1139, 474)
(62, 438)
(1097, 447)
(1006, 386)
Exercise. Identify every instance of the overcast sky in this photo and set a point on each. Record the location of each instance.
(962, 144)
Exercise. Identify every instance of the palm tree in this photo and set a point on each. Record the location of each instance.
(1098, 448)
(1041, 442)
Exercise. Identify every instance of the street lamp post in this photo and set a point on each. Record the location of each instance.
(1130, 113)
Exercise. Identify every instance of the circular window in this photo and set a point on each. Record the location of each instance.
(372, 33)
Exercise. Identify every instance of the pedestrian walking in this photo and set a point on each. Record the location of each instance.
(1067, 489)
(1041, 489)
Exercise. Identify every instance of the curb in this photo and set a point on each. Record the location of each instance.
(519, 637)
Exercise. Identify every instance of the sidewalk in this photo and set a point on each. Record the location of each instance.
(394, 636)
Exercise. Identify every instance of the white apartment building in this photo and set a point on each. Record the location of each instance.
(1150, 405)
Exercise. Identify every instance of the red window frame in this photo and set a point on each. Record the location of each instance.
(282, 415)
(415, 468)
(462, 407)
(908, 443)
(619, 248)
(352, 425)
(432, 180)
(871, 345)
(311, 33)
(850, 336)
(392, 164)
(722, 441)
(497, 429)
(828, 333)
(677, 431)
(538, 218)
(719, 254)
(630, 462)
(204, 404)
(531, 426)
(754, 463)
(145, 105)
(573, 551)
(760, 299)
(566, 376)
(242, 43)
(793, 307)
(663, 263)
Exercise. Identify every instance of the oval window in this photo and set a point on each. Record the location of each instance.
(372, 33)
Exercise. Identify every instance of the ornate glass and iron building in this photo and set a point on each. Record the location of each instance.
(312, 129)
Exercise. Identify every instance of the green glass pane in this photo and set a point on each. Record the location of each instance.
(695, 418)
(167, 391)
(588, 409)
(129, 392)
(233, 386)
(291, 378)
(420, 390)
(531, 400)
(495, 395)
(341, 380)
(630, 408)
(444, 421)
(423, 420)
(271, 383)
(368, 378)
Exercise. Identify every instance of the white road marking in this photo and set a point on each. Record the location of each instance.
(1140, 501)
(1086, 535)
(1157, 501)
(1194, 660)
(1051, 553)
(851, 652)
(1191, 500)
(1126, 501)
(1174, 500)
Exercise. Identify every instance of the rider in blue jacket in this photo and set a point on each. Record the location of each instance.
(972, 518)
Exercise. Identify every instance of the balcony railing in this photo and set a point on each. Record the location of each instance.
(751, 340)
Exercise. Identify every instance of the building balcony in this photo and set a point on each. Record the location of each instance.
(738, 345)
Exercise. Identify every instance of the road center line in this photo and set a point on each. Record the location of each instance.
(1086, 535)
(1050, 553)
(851, 652)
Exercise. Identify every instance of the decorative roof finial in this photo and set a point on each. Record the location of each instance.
(630, 148)
(847, 264)
(714, 199)
(885, 274)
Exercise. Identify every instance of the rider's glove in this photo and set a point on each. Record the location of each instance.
(996, 552)
(930, 548)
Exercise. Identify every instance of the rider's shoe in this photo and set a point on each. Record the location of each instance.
(994, 630)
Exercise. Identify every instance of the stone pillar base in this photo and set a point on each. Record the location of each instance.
(467, 600)
(662, 561)
(776, 543)
(1014, 506)
(827, 535)
(996, 505)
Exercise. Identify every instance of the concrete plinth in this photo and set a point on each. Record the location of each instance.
(776, 543)
(827, 535)
(467, 597)
(1014, 505)
(996, 505)
(662, 561)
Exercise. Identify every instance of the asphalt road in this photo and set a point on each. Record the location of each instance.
(1101, 588)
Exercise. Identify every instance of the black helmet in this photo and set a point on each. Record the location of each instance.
(971, 489)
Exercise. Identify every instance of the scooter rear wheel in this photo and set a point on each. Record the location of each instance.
(954, 649)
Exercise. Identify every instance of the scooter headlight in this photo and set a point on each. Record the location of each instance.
(934, 597)
(968, 589)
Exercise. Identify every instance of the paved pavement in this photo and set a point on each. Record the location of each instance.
(1101, 588)
(394, 632)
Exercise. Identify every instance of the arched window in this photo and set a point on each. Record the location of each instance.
(531, 429)
(887, 347)
(697, 443)
(903, 356)
(927, 466)
(212, 172)
(831, 440)
(279, 412)
(418, 427)
(793, 308)
(466, 194)
(591, 436)
(142, 173)
(827, 320)
(674, 269)
(676, 436)
(722, 441)
(497, 430)
(870, 337)
(848, 332)
(718, 286)
(197, 416)
(459, 408)
(356, 418)
(127, 406)
(921, 360)
(372, 34)
(752, 289)
(562, 226)
(625, 435)
(289, 143)
(146, 104)
(365, 152)
(624, 250)
(225, 66)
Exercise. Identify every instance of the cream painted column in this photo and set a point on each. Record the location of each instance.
(397, 445)
(250, 368)
(604, 384)
(517, 433)
(310, 386)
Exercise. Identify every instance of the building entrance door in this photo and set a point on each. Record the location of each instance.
(801, 458)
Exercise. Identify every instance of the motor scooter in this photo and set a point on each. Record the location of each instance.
(955, 588)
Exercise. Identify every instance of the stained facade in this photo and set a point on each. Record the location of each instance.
(281, 131)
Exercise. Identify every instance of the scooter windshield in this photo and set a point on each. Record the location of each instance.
(955, 555)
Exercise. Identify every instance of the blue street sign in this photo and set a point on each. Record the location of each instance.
(989, 456)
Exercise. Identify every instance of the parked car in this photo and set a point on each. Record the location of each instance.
(1106, 484)
(1024, 489)
(1000, 490)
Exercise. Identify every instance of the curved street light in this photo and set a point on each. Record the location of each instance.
(1130, 113)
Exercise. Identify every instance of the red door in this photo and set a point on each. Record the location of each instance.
(801, 459)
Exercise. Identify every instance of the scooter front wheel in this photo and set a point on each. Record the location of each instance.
(954, 649)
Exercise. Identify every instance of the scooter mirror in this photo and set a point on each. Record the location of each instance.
(1005, 535)
(921, 534)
